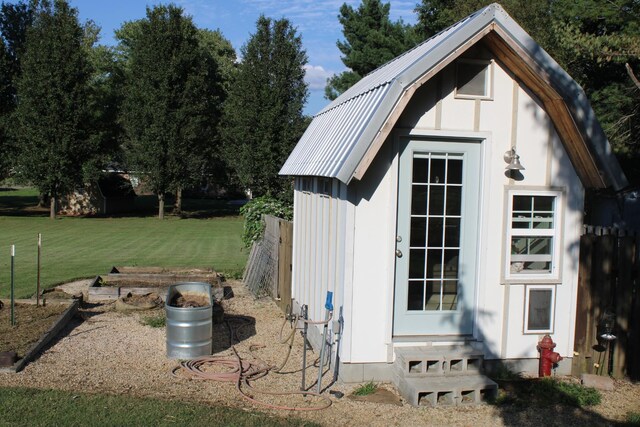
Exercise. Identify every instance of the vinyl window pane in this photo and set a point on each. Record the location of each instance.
(472, 79)
(539, 310)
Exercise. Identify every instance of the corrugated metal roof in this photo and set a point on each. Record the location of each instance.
(340, 135)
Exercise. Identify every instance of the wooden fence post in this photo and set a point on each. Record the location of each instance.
(581, 361)
(624, 303)
(285, 252)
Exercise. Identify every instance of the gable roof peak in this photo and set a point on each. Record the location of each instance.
(343, 138)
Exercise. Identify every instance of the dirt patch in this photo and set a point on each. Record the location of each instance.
(380, 395)
(56, 294)
(190, 300)
(134, 302)
(143, 300)
(31, 323)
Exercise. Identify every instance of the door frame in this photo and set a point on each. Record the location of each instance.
(485, 141)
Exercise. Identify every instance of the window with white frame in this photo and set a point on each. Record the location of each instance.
(533, 236)
(539, 308)
(474, 79)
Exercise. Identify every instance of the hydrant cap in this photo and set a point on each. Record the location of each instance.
(546, 343)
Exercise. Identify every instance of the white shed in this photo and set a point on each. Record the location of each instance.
(404, 210)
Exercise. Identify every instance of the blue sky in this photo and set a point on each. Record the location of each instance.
(316, 21)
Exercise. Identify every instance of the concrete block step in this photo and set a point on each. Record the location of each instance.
(428, 361)
(447, 391)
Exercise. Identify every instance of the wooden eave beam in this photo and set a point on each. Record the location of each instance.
(541, 84)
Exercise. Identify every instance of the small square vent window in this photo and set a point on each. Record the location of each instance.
(473, 79)
(539, 309)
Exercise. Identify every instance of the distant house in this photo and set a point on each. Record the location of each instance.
(112, 193)
(403, 207)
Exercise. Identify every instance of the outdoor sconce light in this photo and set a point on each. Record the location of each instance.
(606, 326)
(513, 160)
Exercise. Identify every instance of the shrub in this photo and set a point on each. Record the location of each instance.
(253, 211)
(365, 389)
(154, 321)
(633, 418)
(568, 393)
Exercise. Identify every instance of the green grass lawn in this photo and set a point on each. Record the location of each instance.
(86, 247)
(29, 407)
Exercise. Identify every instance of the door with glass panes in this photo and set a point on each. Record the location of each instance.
(437, 236)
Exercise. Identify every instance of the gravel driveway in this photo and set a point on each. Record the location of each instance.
(109, 352)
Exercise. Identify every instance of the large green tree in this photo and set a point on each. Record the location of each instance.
(106, 92)
(371, 39)
(15, 18)
(6, 106)
(172, 100)
(51, 114)
(263, 117)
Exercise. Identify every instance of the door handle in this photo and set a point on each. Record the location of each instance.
(398, 253)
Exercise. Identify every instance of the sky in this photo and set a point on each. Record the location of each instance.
(316, 21)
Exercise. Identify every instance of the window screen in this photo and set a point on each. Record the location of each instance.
(539, 310)
(473, 79)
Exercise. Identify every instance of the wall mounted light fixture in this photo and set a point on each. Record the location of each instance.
(513, 160)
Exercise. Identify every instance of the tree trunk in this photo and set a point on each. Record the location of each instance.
(160, 205)
(177, 208)
(52, 207)
(43, 200)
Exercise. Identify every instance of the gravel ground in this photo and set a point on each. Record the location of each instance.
(109, 352)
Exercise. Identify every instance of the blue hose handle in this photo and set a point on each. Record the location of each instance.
(328, 304)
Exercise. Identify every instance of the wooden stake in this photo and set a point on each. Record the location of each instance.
(13, 255)
(38, 272)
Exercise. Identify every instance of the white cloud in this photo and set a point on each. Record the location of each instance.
(316, 77)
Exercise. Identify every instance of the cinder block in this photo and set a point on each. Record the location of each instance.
(597, 382)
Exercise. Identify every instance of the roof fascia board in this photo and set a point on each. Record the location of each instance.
(417, 79)
(554, 84)
(345, 174)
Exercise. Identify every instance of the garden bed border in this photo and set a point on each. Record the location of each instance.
(58, 325)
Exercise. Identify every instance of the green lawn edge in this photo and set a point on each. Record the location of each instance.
(34, 407)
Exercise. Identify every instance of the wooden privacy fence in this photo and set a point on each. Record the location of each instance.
(268, 270)
(609, 280)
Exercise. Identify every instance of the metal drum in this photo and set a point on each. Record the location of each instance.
(189, 328)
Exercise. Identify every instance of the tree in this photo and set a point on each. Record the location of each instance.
(596, 41)
(371, 40)
(105, 98)
(219, 50)
(263, 117)
(6, 106)
(14, 21)
(172, 100)
(52, 113)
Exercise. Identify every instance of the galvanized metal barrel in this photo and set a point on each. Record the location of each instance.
(189, 329)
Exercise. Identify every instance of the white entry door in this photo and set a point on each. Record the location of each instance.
(437, 235)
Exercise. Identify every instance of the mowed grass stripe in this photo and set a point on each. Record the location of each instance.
(85, 247)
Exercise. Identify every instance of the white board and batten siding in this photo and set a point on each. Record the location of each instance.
(344, 242)
(512, 117)
(345, 232)
(320, 243)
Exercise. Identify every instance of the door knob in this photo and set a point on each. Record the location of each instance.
(398, 253)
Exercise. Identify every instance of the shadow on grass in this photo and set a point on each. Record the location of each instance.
(548, 401)
(14, 202)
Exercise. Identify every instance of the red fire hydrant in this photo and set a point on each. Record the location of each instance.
(547, 356)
